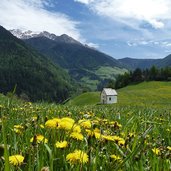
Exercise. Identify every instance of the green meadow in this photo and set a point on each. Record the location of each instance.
(146, 94)
(133, 134)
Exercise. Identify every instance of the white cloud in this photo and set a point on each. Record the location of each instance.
(144, 43)
(84, 1)
(32, 15)
(154, 12)
(93, 45)
(156, 43)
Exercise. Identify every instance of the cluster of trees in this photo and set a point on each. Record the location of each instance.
(138, 75)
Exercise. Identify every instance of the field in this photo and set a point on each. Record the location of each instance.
(132, 135)
(150, 94)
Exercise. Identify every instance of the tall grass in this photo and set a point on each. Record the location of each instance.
(140, 130)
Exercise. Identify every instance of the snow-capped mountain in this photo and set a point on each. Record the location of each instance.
(24, 34)
(31, 34)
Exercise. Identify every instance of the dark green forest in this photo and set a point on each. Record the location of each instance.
(34, 76)
(140, 75)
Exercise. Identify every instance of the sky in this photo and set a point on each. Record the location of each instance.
(119, 28)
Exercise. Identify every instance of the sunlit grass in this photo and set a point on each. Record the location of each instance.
(151, 94)
(85, 138)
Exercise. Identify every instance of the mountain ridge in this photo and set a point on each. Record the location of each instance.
(32, 34)
(133, 63)
(127, 62)
(82, 62)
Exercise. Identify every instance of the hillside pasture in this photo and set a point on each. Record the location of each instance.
(150, 94)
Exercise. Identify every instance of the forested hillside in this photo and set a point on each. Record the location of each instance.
(33, 75)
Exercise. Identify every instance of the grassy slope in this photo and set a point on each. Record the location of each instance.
(85, 99)
(108, 72)
(147, 93)
(104, 72)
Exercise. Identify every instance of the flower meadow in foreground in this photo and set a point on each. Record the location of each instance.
(61, 138)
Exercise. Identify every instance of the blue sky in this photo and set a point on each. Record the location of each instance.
(120, 28)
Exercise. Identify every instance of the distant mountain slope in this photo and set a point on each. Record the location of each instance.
(164, 62)
(34, 75)
(83, 63)
(132, 63)
(72, 55)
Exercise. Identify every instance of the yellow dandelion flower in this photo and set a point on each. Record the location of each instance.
(61, 144)
(97, 135)
(77, 156)
(90, 132)
(77, 136)
(97, 130)
(57, 120)
(76, 128)
(121, 142)
(85, 123)
(72, 158)
(169, 148)
(108, 137)
(38, 139)
(156, 151)
(116, 138)
(66, 125)
(67, 119)
(16, 160)
(18, 129)
(51, 123)
(113, 156)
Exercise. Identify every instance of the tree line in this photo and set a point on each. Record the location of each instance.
(137, 76)
(140, 75)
